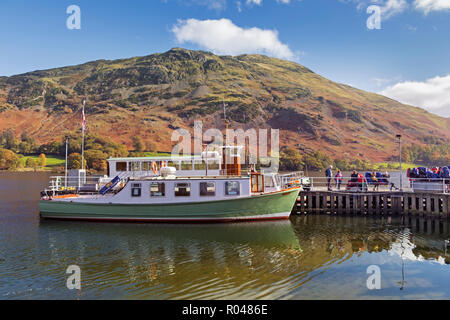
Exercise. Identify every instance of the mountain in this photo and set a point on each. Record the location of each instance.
(149, 96)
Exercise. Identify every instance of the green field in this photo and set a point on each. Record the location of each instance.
(52, 161)
(156, 154)
(393, 166)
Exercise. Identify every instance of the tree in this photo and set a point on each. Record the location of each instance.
(317, 161)
(290, 160)
(342, 164)
(54, 147)
(137, 144)
(9, 160)
(42, 160)
(31, 163)
(96, 159)
(74, 161)
(26, 138)
(25, 148)
(8, 139)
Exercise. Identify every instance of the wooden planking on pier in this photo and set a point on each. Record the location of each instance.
(374, 203)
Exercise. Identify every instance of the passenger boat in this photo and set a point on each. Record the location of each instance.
(213, 188)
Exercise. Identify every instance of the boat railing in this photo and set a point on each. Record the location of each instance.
(63, 183)
(290, 178)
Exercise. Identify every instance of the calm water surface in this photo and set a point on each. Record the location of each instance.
(312, 257)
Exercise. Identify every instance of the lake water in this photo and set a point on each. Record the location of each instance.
(308, 257)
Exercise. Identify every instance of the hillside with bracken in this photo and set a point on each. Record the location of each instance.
(152, 95)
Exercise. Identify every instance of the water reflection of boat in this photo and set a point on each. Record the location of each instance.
(265, 234)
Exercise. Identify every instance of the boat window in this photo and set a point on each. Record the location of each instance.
(257, 183)
(200, 165)
(213, 165)
(121, 166)
(207, 189)
(146, 166)
(174, 164)
(232, 188)
(182, 189)
(186, 165)
(136, 190)
(158, 189)
(134, 166)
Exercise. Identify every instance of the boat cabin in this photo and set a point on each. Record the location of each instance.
(208, 163)
(178, 189)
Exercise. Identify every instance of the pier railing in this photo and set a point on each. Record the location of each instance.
(438, 185)
(360, 184)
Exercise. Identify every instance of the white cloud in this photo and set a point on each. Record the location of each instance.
(257, 2)
(388, 8)
(431, 5)
(432, 94)
(393, 7)
(224, 37)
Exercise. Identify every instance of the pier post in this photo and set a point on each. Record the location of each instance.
(354, 204)
(378, 204)
(347, 203)
(340, 201)
(428, 205)
(407, 207)
(317, 202)
(437, 205)
(445, 206)
(310, 201)
(362, 204)
(332, 208)
(401, 203)
(370, 204)
(421, 204)
(325, 202)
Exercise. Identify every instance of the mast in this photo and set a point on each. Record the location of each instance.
(224, 148)
(83, 128)
(65, 183)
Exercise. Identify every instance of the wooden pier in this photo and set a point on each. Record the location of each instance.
(430, 205)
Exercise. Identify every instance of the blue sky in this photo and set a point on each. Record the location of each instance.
(407, 59)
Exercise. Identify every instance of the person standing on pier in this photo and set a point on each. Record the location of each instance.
(329, 175)
(375, 181)
(338, 179)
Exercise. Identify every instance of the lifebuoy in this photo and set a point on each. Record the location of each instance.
(154, 167)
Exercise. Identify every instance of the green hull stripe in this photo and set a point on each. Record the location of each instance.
(241, 207)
